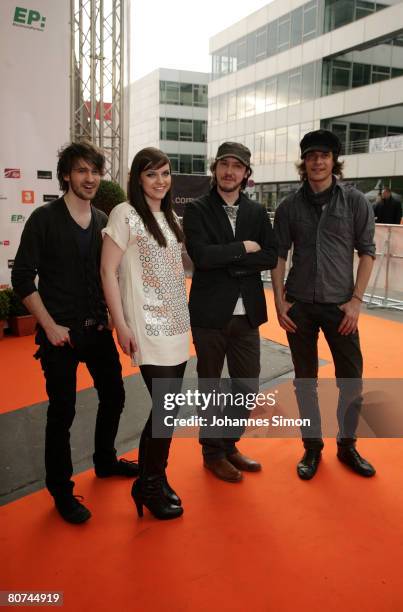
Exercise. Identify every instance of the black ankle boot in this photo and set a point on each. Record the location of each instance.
(308, 466)
(148, 491)
(169, 493)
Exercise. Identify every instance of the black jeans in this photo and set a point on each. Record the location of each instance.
(153, 452)
(347, 358)
(240, 343)
(98, 351)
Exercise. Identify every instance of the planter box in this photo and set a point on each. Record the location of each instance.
(22, 326)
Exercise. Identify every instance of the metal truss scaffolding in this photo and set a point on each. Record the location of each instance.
(96, 78)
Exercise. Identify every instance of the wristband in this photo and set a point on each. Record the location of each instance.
(357, 298)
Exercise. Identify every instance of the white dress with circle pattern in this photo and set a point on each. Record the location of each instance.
(152, 286)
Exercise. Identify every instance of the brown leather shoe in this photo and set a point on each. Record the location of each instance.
(241, 462)
(223, 469)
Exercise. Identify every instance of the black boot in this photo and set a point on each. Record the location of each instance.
(148, 491)
(307, 467)
(169, 493)
(352, 458)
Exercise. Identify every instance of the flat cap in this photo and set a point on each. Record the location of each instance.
(320, 140)
(234, 149)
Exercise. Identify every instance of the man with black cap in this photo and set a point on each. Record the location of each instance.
(324, 222)
(230, 240)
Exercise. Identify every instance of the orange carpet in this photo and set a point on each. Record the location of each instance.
(269, 544)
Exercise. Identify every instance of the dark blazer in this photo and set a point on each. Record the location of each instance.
(223, 269)
(69, 287)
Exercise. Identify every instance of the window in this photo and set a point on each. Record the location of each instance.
(185, 164)
(358, 137)
(309, 19)
(215, 65)
(241, 53)
(260, 97)
(308, 82)
(380, 73)
(261, 43)
(224, 61)
(271, 94)
(272, 39)
(250, 101)
(361, 75)
(296, 27)
(338, 13)
(231, 105)
(284, 32)
(292, 143)
(233, 60)
(363, 9)
(199, 131)
(172, 129)
(222, 114)
(174, 159)
(341, 76)
(259, 149)
(282, 90)
(162, 92)
(281, 144)
(198, 164)
(163, 135)
(240, 104)
(200, 95)
(294, 91)
(270, 146)
(186, 94)
(251, 48)
(172, 92)
(185, 130)
(214, 109)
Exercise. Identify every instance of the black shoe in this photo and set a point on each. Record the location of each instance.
(148, 492)
(307, 467)
(170, 494)
(122, 467)
(352, 458)
(70, 508)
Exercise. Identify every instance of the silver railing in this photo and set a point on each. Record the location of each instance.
(385, 288)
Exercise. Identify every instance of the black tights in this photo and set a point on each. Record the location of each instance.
(153, 452)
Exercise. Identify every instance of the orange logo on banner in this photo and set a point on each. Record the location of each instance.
(28, 197)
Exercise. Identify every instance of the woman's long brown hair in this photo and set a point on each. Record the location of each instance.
(151, 158)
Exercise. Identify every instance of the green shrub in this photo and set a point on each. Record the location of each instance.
(4, 304)
(17, 308)
(108, 196)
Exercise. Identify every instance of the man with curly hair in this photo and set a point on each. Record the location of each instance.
(324, 222)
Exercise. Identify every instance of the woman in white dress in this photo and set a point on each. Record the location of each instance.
(144, 286)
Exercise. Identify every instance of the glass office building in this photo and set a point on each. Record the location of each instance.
(337, 64)
(168, 110)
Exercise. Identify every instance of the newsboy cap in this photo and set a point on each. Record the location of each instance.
(234, 149)
(320, 140)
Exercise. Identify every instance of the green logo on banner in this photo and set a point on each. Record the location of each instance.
(28, 18)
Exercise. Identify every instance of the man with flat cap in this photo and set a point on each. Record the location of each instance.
(230, 240)
(324, 222)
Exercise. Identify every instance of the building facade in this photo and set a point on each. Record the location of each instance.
(295, 66)
(168, 110)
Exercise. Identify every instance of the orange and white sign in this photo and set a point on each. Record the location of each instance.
(28, 197)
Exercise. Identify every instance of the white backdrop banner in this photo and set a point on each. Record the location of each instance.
(34, 122)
